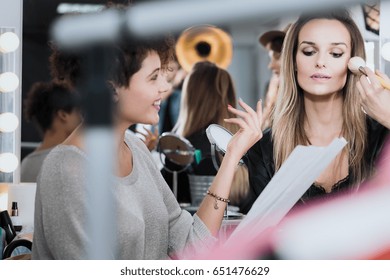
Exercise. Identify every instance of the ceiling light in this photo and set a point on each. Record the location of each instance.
(67, 8)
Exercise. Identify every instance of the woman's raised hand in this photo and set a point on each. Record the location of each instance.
(375, 98)
(150, 138)
(250, 131)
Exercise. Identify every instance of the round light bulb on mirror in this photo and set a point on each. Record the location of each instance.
(9, 42)
(8, 82)
(8, 162)
(385, 51)
(8, 122)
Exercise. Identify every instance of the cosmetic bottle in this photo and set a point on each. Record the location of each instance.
(14, 210)
(15, 216)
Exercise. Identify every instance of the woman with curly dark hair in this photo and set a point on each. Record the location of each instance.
(55, 110)
(149, 221)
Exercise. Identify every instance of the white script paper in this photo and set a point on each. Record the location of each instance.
(287, 186)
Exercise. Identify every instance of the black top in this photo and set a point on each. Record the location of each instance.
(261, 165)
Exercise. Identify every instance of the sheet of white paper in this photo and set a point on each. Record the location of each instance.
(295, 176)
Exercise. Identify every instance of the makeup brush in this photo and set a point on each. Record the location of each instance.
(356, 64)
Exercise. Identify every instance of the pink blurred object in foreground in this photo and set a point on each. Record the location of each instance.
(350, 226)
(353, 226)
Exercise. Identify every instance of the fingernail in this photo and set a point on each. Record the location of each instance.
(239, 98)
(230, 106)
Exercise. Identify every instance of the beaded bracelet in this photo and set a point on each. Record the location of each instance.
(217, 198)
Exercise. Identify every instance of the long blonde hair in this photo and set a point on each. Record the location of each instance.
(207, 91)
(289, 113)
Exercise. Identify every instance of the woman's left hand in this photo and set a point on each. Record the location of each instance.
(375, 98)
(250, 130)
(151, 138)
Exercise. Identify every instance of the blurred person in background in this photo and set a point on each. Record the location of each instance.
(54, 108)
(272, 41)
(170, 105)
(208, 91)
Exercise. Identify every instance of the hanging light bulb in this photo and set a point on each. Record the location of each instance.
(8, 162)
(9, 42)
(8, 122)
(8, 82)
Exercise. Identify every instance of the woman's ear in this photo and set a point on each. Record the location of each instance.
(115, 95)
(62, 115)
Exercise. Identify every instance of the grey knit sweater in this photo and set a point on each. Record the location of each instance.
(31, 165)
(150, 223)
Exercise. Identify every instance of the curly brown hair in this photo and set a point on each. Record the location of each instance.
(131, 53)
(65, 66)
(44, 100)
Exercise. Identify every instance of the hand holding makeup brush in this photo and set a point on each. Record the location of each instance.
(357, 65)
(374, 89)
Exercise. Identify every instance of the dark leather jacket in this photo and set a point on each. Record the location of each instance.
(261, 166)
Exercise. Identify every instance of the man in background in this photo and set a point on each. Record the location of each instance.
(273, 42)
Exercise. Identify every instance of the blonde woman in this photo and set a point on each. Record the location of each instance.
(208, 90)
(318, 100)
